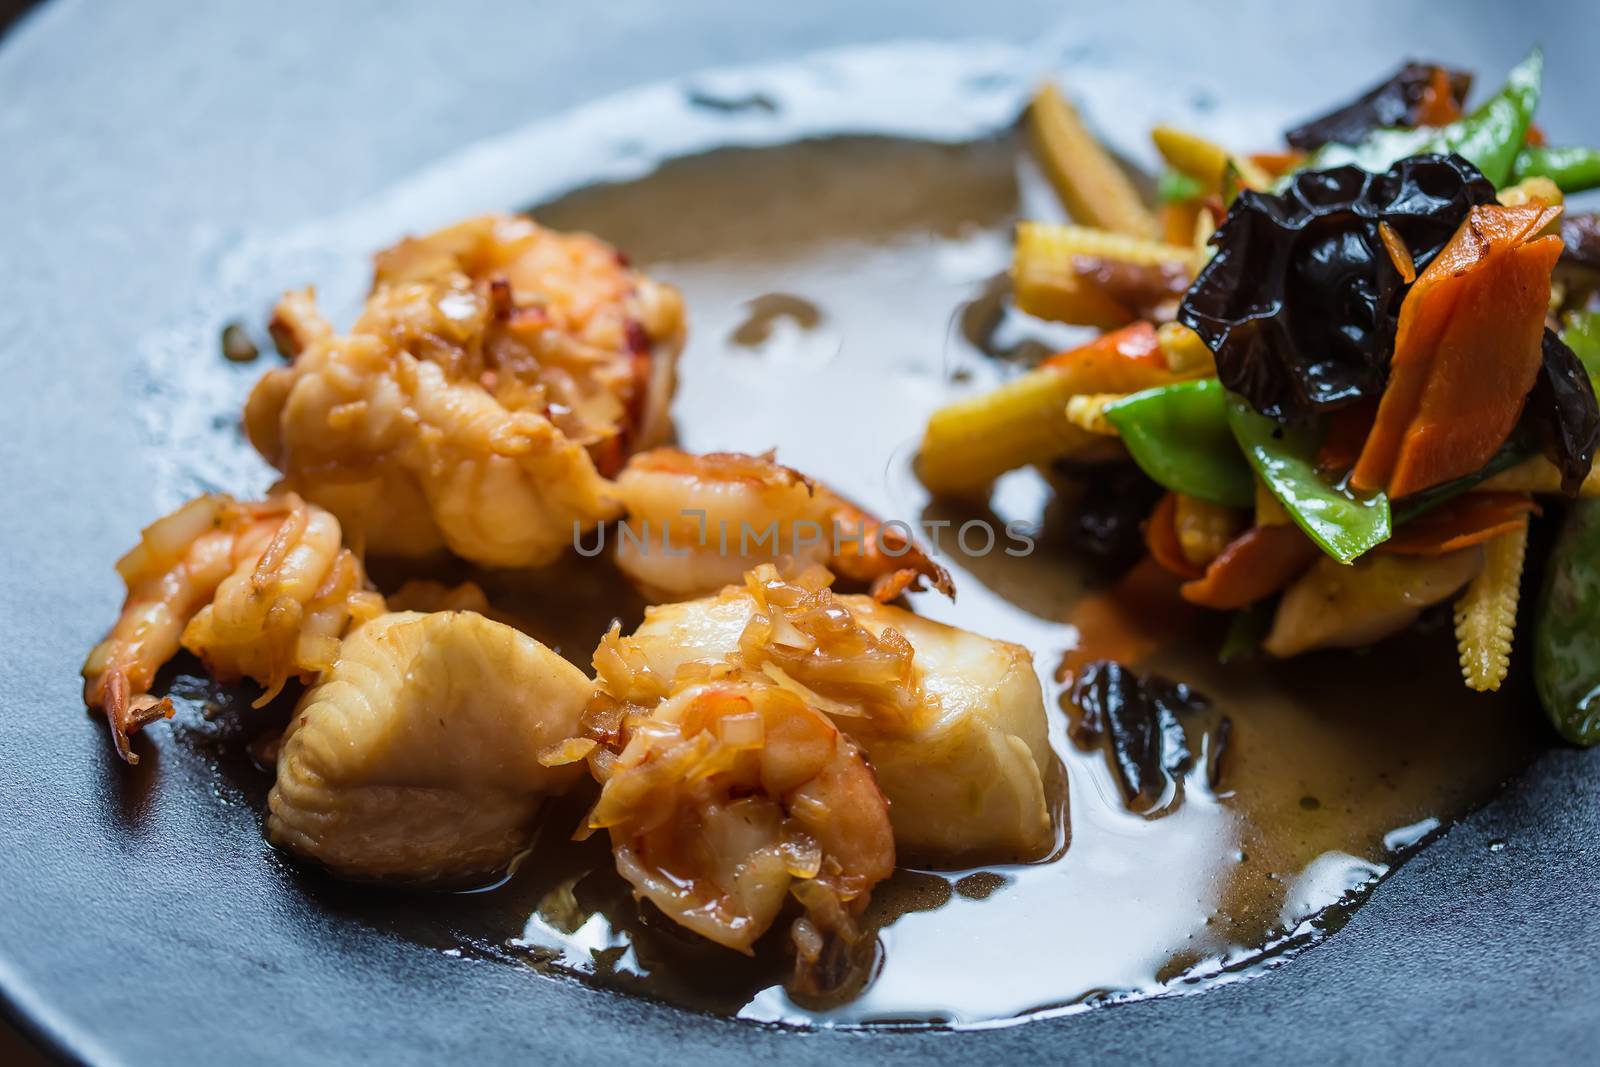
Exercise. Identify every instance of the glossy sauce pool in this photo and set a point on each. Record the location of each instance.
(839, 290)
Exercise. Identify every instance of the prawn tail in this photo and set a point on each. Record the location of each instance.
(126, 712)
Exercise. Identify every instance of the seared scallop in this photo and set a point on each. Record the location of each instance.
(416, 757)
(955, 726)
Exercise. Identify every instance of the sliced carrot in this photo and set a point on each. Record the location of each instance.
(1161, 537)
(1128, 621)
(1399, 254)
(1277, 164)
(1438, 105)
(1347, 431)
(1535, 135)
(1258, 563)
(1135, 342)
(1466, 352)
(1469, 519)
(1122, 361)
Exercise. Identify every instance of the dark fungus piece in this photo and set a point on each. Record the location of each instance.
(1217, 753)
(1105, 521)
(1138, 717)
(1580, 238)
(1300, 302)
(1563, 413)
(1395, 102)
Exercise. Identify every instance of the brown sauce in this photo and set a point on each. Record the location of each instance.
(883, 244)
(839, 291)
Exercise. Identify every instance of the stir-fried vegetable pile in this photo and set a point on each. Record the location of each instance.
(1346, 371)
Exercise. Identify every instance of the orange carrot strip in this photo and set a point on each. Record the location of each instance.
(1399, 254)
(1469, 519)
(1277, 164)
(1535, 136)
(1128, 621)
(1121, 361)
(1161, 537)
(1258, 563)
(1466, 352)
(1438, 105)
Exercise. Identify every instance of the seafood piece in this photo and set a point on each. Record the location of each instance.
(416, 757)
(698, 523)
(1336, 605)
(726, 787)
(259, 590)
(729, 795)
(952, 723)
(499, 374)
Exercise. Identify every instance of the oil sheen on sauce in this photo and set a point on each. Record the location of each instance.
(839, 290)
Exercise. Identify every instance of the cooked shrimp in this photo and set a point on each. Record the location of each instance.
(953, 723)
(260, 590)
(697, 523)
(416, 756)
(724, 791)
(499, 373)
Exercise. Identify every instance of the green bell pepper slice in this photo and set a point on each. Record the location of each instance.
(1342, 524)
(1491, 137)
(1566, 632)
(1178, 434)
(1572, 168)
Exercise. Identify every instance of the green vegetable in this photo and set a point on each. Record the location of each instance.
(1174, 186)
(1246, 630)
(1566, 634)
(1491, 137)
(1341, 523)
(1573, 169)
(1179, 435)
(1581, 332)
(1232, 183)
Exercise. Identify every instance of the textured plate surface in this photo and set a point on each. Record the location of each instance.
(144, 920)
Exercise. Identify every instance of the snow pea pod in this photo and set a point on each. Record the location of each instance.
(1581, 332)
(1174, 186)
(1572, 168)
(1566, 635)
(1178, 434)
(1490, 137)
(1342, 524)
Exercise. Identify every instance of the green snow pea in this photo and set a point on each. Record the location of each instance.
(1491, 137)
(1566, 633)
(1178, 434)
(1342, 524)
(1174, 186)
(1572, 168)
(1581, 332)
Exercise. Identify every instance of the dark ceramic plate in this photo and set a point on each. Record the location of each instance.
(144, 920)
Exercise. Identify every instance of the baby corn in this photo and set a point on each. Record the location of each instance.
(1047, 283)
(1089, 182)
(1204, 529)
(1205, 161)
(1486, 614)
(1187, 355)
(972, 442)
(1088, 412)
